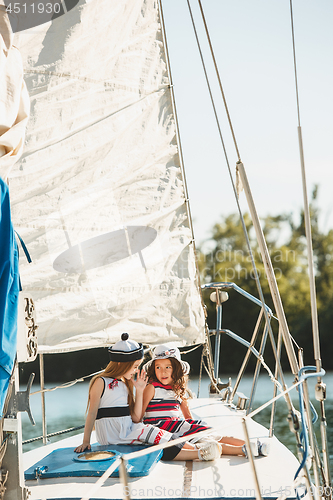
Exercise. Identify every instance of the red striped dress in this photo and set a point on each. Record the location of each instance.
(164, 412)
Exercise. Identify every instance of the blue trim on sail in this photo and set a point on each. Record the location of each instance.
(9, 293)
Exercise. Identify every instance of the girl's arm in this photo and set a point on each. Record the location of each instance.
(94, 399)
(148, 395)
(139, 384)
(185, 409)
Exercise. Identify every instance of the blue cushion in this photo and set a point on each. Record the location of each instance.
(63, 463)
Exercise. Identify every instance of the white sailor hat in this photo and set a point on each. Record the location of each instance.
(125, 350)
(164, 351)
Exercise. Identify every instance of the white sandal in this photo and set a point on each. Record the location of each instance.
(209, 451)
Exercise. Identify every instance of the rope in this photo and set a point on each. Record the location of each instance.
(66, 384)
(58, 433)
(212, 380)
(193, 349)
(82, 379)
(3, 448)
(200, 373)
(305, 436)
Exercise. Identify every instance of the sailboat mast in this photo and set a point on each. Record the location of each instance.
(320, 387)
(307, 221)
(269, 271)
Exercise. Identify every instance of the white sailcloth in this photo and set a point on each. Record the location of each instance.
(14, 98)
(98, 196)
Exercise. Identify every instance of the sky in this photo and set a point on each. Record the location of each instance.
(253, 47)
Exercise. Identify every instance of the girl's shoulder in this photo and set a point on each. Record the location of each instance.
(112, 383)
(150, 387)
(98, 387)
(155, 384)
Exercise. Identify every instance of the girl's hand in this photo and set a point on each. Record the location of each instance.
(141, 381)
(185, 409)
(83, 447)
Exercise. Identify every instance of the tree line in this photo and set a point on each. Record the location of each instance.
(228, 260)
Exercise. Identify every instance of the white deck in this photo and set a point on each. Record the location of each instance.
(224, 478)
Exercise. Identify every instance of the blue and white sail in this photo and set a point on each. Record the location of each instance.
(99, 195)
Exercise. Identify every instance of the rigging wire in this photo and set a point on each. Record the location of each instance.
(180, 151)
(274, 290)
(295, 66)
(307, 220)
(320, 388)
(52, 434)
(240, 173)
(256, 276)
(219, 80)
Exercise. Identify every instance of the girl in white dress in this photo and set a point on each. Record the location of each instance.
(117, 415)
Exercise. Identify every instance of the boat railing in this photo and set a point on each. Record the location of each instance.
(223, 286)
(219, 297)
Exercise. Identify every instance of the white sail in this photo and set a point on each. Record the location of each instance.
(14, 99)
(98, 196)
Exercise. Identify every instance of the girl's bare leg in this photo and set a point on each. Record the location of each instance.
(192, 454)
(231, 440)
(187, 455)
(188, 446)
(228, 449)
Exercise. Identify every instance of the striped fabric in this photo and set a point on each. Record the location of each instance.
(164, 412)
(164, 404)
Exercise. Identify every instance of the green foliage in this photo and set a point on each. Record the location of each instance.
(229, 261)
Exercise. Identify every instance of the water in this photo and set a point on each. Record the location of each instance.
(66, 408)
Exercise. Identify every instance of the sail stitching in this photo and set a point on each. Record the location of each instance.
(86, 79)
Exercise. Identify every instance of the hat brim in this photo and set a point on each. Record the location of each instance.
(184, 364)
(125, 356)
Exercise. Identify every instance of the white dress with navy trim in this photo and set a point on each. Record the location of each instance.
(114, 424)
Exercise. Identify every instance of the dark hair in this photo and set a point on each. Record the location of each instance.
(179, 380)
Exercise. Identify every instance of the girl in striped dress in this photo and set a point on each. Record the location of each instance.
(165, 404)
